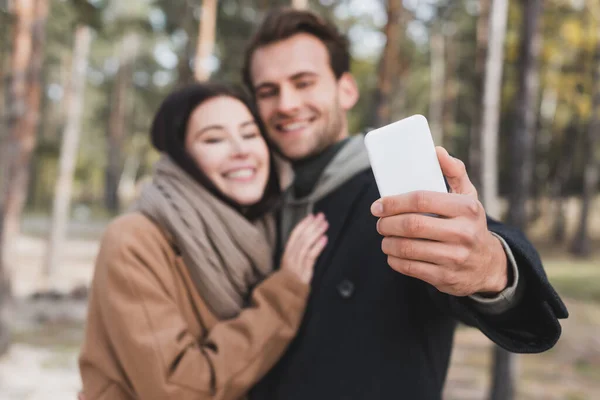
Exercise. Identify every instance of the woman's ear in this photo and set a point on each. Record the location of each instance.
(348, 93)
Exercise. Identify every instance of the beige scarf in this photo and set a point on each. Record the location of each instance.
(226, 254)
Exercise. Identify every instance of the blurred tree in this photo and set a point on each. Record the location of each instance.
(567, 145)
(5, 44)
(120, 108)
(581, 245)
(23, 100)
(521, 166)
(68, 153)
(437, 84)
(389, 64)
(206, 40)
(451, 86)
(6, 19)
(489, 145)
(526, 110)
(474, 157)
(491, 106)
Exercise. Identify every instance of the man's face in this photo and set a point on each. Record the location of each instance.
(299, 99)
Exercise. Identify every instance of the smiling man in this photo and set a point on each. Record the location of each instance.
(382, 312)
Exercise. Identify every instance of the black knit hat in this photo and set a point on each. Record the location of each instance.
(168, 136)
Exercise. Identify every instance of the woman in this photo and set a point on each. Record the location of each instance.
(186, 302)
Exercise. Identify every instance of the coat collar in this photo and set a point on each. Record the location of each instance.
(339, 207)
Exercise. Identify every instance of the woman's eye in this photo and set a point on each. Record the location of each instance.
(212, 140)
(250, 135)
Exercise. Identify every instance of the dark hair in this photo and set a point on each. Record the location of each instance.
(283, 23)
(168, 136)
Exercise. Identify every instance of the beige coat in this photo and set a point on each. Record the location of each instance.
(149, 334)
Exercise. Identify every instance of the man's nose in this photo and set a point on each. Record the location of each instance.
(289, 101)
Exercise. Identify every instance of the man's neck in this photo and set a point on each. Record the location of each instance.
(308, 171)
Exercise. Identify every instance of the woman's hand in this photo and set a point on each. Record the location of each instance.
(305, 244)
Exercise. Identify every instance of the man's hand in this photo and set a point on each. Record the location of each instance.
(455, 253)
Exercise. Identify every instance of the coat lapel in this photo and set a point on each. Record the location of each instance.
(339, 207)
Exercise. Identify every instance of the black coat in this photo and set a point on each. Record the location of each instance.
(372, 333)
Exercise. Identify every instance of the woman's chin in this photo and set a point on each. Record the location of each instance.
(246, 200)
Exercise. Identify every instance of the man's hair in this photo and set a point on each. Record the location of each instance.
(283, 23)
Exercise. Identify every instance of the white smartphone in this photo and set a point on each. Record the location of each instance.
(403, 157)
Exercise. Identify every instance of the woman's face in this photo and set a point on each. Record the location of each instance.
(226, 143)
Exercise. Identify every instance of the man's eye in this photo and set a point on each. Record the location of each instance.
(303, 84)
(263, 94)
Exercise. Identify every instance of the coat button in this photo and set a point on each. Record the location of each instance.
(345, 288)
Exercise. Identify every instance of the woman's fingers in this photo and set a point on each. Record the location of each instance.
(311, 234)
(305, 244)
(294, 243)
(316, 249)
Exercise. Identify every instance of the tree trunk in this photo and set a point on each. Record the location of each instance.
(475, 133)
(5, 36)
(567, 149)
(526, 114)
(68, 152)
(206, 40)
(581, 245)
(491, 106)
(503, 385)
(24, 100)
(492, 90)
(503, 376)
(24, 92)
(185, 74)
(437, 82)
(389, 63)
(300, 4)
(451, 87)
(5, 294)
(116, 125)
(543, 141)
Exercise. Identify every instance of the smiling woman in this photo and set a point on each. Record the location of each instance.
(225, 141)
(186, 302)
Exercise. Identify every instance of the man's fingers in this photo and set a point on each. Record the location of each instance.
(456, 174)
(417, 226)
(417, 269)
(424, 250)
(443, 204)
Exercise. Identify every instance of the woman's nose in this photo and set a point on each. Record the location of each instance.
(239, 147)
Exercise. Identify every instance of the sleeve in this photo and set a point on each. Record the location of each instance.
(510, 296)
(531, 325)
(159, 355)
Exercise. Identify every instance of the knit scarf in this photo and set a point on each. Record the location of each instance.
(226, 254)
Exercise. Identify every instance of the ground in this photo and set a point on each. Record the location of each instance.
(42, 362)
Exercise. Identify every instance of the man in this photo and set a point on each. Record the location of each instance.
(371, 331)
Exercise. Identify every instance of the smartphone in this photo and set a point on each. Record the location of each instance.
(403, 157)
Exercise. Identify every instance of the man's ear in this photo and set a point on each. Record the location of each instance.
(347, 91)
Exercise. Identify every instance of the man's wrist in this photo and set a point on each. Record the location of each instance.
(499, 279)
